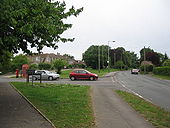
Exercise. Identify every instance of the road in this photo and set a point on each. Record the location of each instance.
(155, 90)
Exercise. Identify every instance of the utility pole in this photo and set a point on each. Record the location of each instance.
(114, 58)
(121, 60)
(108, 55)
(144, 60)
(102, 58)
(99, 58)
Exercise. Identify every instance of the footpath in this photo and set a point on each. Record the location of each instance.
(16, 112)
(112, 112)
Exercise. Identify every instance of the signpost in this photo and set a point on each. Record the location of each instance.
(32, 73)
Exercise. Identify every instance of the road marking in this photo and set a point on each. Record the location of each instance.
(122, 84)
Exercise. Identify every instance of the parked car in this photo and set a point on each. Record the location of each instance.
(82, 74)
(46, 75)
(134, 71)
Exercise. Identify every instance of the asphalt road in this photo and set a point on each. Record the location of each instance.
(155, 90)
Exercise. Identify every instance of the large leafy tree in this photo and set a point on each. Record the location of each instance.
(18, 61)
(128, 58)
(34, 23)
(91, 56)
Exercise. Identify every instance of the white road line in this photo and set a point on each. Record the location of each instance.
(122, 84)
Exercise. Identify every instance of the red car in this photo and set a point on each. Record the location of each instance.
(82, 74)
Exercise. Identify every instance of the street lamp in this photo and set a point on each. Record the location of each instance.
(108, 54)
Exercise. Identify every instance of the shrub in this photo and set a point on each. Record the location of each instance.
(165, 70)
(166, 63)
(44, 66)
(59, 64)
(119, 65)
(149, 68)
(33, 66)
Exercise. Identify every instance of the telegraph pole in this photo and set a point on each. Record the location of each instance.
(99, 58)
(144, 60)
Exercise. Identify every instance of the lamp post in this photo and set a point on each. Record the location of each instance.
(108, 55)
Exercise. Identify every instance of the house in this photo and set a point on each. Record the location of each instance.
(48, 58)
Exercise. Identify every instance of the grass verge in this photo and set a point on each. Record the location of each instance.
(67, 106)
(157, 116)
(161, 77)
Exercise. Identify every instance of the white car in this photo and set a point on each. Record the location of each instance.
(46, 75)
(134, 71)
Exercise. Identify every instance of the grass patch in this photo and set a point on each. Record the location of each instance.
(67, 106)
(65, 73)
(157, 116)
(161, 77)
(102, 71)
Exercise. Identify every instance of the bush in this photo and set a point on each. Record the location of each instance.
(33, 66)
(149, 68)
(119, 65)
(59, 64)
(44, 66)
(166, 63)
(165, 70)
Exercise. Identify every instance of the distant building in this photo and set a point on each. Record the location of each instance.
(49, 58)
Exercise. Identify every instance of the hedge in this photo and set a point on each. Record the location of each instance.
(149, 68)
(165, 70)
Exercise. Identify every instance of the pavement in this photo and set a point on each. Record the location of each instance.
(16, 112)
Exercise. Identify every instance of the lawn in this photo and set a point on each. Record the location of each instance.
(67, 106)
(154, 114)
(65, 73)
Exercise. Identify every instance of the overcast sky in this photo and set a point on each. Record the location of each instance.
(133, 24)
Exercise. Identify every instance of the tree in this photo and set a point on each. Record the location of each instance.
(5, 62)
(35, 23)
(128, 58)
(151, 55)
(18, 61)
(58, 64)
(119, 64)
(146, 51)
(90, 56)
(67, 56)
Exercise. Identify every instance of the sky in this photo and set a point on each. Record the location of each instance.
(132, 24)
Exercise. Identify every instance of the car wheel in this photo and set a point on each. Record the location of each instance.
(92, 78)
(50, 78)
(72, 78)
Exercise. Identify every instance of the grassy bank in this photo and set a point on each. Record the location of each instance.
(157, 116)
(67, 106)
(161, 77)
